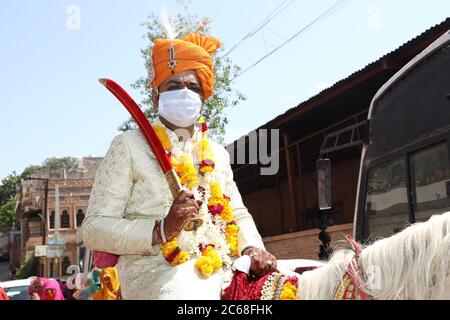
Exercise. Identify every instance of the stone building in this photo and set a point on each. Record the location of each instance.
(36, 211)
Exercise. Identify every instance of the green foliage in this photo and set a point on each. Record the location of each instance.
(51, 163)
(8, 187)
(30, 170)
(8, 216)
(224, 95)
(27, 268)
(59, 163)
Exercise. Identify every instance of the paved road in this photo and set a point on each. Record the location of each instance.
(4, 271)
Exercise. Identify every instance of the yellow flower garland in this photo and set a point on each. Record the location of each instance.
(210, 261)
(163, 137)
(289, 292)
(185, 170)
(173, 254)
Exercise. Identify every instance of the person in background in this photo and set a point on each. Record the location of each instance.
(3, 295)
(91, 285)
(36, 289)
(52, 290)
(110, 286)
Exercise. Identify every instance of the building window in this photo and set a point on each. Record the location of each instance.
(34, 225)
(430, 180)
(387, 199)
(80, 217)
(65, 264)
(65, 220)
(52, 219)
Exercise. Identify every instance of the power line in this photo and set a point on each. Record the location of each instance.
(335, 7)
(265, 21)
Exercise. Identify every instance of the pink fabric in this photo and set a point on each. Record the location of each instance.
(40, 293)
(104, 260)
(53, 284)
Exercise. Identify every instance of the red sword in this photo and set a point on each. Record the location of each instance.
(152, 140)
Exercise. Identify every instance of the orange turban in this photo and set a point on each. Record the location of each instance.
(193, 52)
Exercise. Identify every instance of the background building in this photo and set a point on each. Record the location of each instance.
(36, 211)
(284, 205)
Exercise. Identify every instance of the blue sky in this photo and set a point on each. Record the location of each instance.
(52, 105)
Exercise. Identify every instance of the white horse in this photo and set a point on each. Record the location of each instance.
(413, 264)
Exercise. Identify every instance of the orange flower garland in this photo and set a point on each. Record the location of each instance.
(218, 205)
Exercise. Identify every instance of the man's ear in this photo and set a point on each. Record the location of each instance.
(155, 98)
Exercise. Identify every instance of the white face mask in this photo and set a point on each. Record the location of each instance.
(180, 107)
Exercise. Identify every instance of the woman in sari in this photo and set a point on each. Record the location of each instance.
(91, 285)
(110, 286)
(36, 289)
(52, 290)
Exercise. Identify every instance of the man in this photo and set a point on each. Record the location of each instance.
(132, 212)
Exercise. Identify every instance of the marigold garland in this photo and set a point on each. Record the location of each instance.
(163, 137)
(185, 170)
(204, 151)
(219, 205)
(209, 262)
(232, 238)
(173, 254)
(289, 291)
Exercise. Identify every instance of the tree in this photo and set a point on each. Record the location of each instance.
(8, 216)
(224, 95)
(27, 268)
(51, 163)
(8, 187)
(54, 163)
(30, 170)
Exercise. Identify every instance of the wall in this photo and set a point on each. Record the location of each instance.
(303, 244)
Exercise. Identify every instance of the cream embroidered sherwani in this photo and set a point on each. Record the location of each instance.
(130, 192)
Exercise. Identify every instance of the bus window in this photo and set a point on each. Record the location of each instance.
(429, 177)
(386, 199)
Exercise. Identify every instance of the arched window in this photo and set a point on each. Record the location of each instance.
(80, 217)
(52, 219)
(65, 220)
(34, 224)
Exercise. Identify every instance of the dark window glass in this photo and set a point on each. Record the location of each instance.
(52, 219)
(430, 181)
(386, 199)
(80, 217)
(65, 220)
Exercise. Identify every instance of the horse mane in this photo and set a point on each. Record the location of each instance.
(413, 264)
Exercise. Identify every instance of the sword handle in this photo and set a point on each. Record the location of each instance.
(175, 188)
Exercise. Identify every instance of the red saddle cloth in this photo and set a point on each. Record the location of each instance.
(243, 287)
